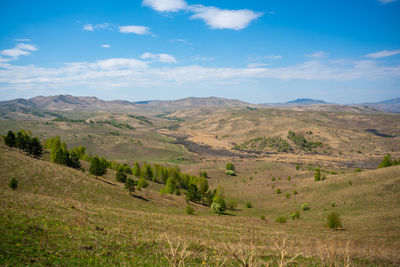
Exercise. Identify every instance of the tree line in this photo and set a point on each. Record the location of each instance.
(25, 142)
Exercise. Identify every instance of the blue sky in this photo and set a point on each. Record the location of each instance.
(343, 51)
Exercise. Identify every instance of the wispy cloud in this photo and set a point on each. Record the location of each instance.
(22, 40)
(135, 29)
(165, 5)
(88, 27)
(199, 58)
(130, 72)
(182, 41)
(383, 53)
(318, 54)
(163, 58)
(384, 2)
(21, 49)
(214, 17)
(105, 45)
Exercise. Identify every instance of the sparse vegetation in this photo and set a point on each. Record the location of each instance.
(189, 210)
(280, 219)
(333, 220)
(13, 184)
(305, 206)
(295, 215)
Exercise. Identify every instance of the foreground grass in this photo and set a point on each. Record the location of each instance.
(61, 216)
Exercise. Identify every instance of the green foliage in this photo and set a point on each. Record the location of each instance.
(146, 171)
(317, 175)
(295, 215)
(230, 172)
(219, 198)
(248, 205)
(142, 183)
(13, 184)
(297, 167)
(136, 169)
(260, 143)
(294, 192)
(333, 220)
(216, 208)
(289, 178)
(278, 191)
(230, 166)
(287, 195)
(130, 185)
(273, 179)
(262, 217)
(203, 174)
(142, 119)
(231, 205)
(170, 186)
(305, 206)
(333, 204)
(302, 142)
(280, 219)
(388, 161)
(189, 210)
(357, 170)
(97, 167)
(9, 139)
(120, 176)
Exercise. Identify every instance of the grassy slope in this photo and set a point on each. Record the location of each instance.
(63, 216)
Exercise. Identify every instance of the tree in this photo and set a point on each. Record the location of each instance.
(386, 162)
(230, 166)
(219, 198)
(203, 174)
(170, 186)
(216, 208)
(142, 183)
(21, 140)
(130, 185)
(35, 147)
(317, 175)
(120, 176)
(9, 139)
(146, 171)
(136, 169)
(13, 184)
(97, 167)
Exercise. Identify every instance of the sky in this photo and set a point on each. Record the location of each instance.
(341, 51)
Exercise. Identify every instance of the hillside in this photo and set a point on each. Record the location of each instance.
(391, 105)
(61, 216)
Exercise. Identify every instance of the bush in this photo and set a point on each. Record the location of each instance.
(289, 178)
(230, 167)
(280, 219)
(287, 195)
(333, 204)
(357, 170)
(295, 215)
(262, 217)
(248, 205)
(297, 167)
(13, 184)
(230, 172)
(305, 206)
(294, 192)
(120, 176)
(231, 204)
(142, 183)
(333, 220)
(189, 210)
(203, 174)
(278, 191)
(317, 176)
(273, 179)
(216, 208)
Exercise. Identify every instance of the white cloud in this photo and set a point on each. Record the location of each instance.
(384, 2)
(318, 54)
(256, 65)
(134, 29)
(105, 46)
(88, 27)
(163, 58)
(165, 5)
(383, 53)
(199, 58)
(214, 17)
(21, 49)
(129, 72)
(223, 18)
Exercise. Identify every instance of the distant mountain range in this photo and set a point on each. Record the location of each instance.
(69, 103)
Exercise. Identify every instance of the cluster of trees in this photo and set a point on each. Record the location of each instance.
(61, 155)
(388, 161)
(25, 142)
(302, 142)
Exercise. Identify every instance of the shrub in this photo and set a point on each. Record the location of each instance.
(280, 219)
(203, 174)
(333, 220)
(317, 176)
(333, 204)
(273, 179)
(294, 192)
(189, 210)
(130, 185)
(142, 183)
(287, 195)
(305, 206)
(230, 172)
(248, 205)
(297, 167)
(357, 170)
(230, 166)
(295, 215)
(289, 178)
(278, 191)
(216, 208)
(13, 184)
(262, 217)
(120, 176)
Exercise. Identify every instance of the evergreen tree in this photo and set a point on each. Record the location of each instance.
(136, 169)
(9, 139)
(170, 186)
(130, 185)
(120, 176)
(97, 167)
(35, 147)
